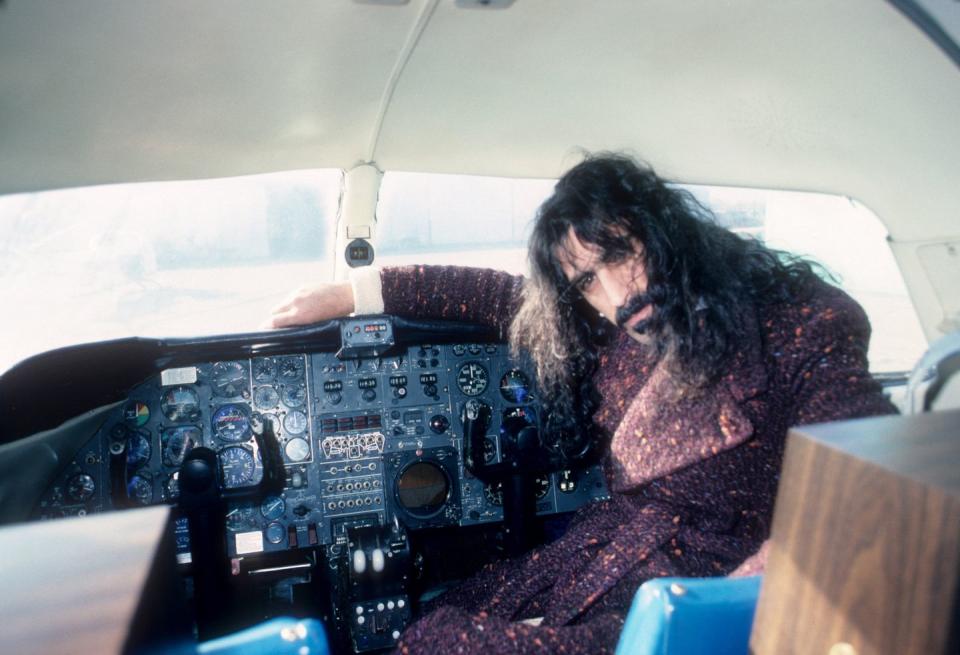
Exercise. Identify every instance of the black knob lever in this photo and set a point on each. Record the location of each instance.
(476, 417)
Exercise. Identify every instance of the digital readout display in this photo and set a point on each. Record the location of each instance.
(367, 383)
(333, 385)
(375, 327)
(428, 378)
(398, 381)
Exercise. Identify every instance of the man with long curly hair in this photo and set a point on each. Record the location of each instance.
(679, 351)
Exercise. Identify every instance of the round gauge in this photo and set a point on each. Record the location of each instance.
(138, 449)
(472, 378)
(264, 369)
(541, 486)
(266, 397)
(272, 507)
(229, 379)
(140, 489)
(297, 450)
(294, 395)
(295, 422)
(175, 443)
(136, 414)
(515, 386)
(171, 488)
(241, 518)
(493, 492)
(237, 466)
(180, 404)
(474, 349)
(459, 350)
(81, 487)
(275, 533)
(291, 368)
(422, 489)
(274, 423)
(231, 423)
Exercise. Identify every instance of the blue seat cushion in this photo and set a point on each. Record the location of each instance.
(683, 616)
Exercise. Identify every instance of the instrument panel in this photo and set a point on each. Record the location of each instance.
(368, 439)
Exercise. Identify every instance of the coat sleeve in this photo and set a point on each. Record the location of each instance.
(825, 349)
(451, 630)
(477, 295)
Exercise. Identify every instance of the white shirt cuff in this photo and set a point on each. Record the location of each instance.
(367, 290)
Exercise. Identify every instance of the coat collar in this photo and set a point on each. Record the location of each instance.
(667, 427)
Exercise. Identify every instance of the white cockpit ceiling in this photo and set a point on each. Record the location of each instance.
(844, 97)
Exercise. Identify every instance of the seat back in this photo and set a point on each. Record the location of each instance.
(934, 383)
(683, 616)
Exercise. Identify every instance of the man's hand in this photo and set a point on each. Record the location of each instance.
(311, 304)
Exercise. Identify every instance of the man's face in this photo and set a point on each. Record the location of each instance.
(616, 289)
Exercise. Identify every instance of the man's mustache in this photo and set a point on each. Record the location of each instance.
(633, 305)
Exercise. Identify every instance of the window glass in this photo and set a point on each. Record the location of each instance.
(478, 221)
(457, 219)
(849, 242)
(159, 259)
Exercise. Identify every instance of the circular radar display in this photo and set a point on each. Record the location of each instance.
(473, 379)
(180, 404)
(291, 368)
(264, 369)
(229, 379)
(295, 422)
(422, 489)
(236, 466)
(231, 423)
(175, 443)
(515, 387)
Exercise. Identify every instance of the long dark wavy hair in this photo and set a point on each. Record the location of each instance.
(702, 281)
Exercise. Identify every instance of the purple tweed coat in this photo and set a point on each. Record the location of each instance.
(693, 479)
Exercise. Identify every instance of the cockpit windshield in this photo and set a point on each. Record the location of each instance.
(159, 259)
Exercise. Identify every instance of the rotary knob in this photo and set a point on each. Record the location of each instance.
(439, 423)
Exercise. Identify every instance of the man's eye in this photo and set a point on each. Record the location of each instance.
(584, 282)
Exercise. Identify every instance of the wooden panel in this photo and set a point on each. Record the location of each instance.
(865, 552)
(75, 585)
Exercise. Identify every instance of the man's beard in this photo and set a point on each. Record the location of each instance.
(636, 304)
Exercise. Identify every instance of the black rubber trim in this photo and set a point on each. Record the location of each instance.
(929, 26)
(45, 390)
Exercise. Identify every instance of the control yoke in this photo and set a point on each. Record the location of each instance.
(515, 473)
